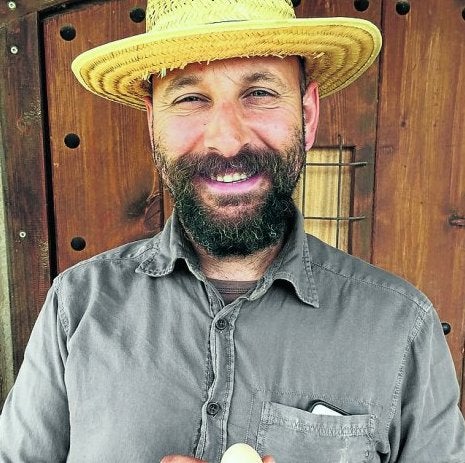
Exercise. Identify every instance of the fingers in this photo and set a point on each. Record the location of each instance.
(180, 459)
(184, 459)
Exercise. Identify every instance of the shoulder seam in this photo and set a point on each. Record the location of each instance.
(64, 321)
(425, 306)
(102, 258)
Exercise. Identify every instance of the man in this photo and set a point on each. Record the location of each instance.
(232, 325)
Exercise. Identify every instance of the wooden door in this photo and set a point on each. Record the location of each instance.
(102, 176)
(420, 166)
(347, 133)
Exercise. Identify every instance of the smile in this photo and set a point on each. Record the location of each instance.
(231, 178)
(234, 183)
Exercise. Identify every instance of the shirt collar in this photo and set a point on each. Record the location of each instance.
(293, 263)
(170, 245)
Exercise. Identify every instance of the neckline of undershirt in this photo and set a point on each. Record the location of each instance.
(232, 289)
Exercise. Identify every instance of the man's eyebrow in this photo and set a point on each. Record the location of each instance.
(182, 81)
(262, 76)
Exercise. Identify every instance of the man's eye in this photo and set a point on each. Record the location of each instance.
(188, 99)
(260, 93)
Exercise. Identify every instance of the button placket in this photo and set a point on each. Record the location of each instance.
(216, 303)
(211, 407)
(216, 407)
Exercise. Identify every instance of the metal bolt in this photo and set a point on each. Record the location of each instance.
(22, 234)
(12, 5)
(14, 49)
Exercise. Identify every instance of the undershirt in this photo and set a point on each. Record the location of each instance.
(230, 290)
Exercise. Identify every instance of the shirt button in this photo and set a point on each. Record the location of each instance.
(221, 324)
(213, 408)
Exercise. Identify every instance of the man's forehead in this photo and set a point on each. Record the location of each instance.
(241, 66)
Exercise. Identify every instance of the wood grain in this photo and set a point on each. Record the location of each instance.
(11, 13)
(103, 188)
(420, 177)
(352, 115)
(25, 177)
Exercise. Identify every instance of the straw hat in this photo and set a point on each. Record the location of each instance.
(337, 50)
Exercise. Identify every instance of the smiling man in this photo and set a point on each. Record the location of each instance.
(229, 140)
(232, 325)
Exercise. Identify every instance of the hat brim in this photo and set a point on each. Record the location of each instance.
(337, 51)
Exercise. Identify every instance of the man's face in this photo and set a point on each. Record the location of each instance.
(229, 141)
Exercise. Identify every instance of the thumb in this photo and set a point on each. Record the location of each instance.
(180, 459)
(268, 459)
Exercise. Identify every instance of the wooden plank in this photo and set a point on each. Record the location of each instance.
(101, 186)
(420, 179)
(352, 114)
(23, 156)
(12, 10)
(6, 347)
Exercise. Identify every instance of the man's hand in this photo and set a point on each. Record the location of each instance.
(183, 459)
(180, 459)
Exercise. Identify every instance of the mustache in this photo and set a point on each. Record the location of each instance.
(248, 161)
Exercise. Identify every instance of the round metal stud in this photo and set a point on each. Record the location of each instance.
(14, 50)
(402, 8)
(446, 328)
(137, 15)
(68, 32)
(361, 5)
(72, 140)
(78, 243)
(12, 5)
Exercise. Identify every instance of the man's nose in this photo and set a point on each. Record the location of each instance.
(226, 131)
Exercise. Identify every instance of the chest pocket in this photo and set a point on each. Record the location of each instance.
(292, 435)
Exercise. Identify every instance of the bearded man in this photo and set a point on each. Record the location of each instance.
(232, 325)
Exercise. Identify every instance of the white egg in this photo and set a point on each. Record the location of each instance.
(241, 453)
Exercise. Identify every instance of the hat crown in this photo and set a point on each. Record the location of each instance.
(178, 14)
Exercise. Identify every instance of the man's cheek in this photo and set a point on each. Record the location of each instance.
(276, 131)
(182, 136)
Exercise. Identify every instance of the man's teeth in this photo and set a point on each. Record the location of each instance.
(229, 178)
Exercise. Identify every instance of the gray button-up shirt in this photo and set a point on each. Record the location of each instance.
(135, 356)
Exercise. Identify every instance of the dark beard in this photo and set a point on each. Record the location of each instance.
(246, 234)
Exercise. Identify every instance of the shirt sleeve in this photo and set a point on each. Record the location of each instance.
(34, 423)
(428, 424)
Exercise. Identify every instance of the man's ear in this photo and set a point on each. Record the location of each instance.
(149, 108)
(311, 110)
